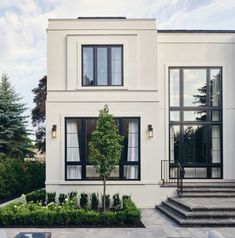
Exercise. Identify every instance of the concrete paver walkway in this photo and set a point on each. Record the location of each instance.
(157, 226)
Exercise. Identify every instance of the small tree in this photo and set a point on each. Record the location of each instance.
(105, 147)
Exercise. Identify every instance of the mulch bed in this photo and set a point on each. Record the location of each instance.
(138, 225)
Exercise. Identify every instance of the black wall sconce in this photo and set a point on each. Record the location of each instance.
(150, 131)
(53, 131)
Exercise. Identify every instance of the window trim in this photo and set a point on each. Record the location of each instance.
(83, 152)
(109, 64)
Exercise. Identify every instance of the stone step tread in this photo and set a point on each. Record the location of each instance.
(209, 185)
(180, 202)
(198, 214)
(222, 189)
(210, 194)
(196, 222)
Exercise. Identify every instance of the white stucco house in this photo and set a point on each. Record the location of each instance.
(171, 93)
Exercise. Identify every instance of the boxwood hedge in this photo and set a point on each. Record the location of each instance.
(54, 215)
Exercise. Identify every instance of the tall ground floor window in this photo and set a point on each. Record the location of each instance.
(195, 126)
(77, 137)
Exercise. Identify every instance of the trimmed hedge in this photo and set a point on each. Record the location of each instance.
(34, 214)
(17, 177)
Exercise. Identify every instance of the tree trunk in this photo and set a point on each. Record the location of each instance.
(104, 194)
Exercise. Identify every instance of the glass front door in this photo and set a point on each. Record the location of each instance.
(196, 121)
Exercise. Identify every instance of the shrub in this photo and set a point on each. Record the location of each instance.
(17, 177)
(62, 198)
(117, 204)
(34, 214)
(36, 172)
(84, 200)
(36, 196)
(51, 197)
(94, 201)
(72, 195)
(107, 201)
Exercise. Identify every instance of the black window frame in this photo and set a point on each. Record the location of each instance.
(209, 123)
(83, 151)
(109, 64)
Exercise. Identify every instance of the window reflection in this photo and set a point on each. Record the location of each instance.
(195, 144)
(195, 90)
(215, 81)
(88, 71)
(195, 115)
(174, 143)
(116, 59)
(174, 116)
(102, 66)
(174, 87)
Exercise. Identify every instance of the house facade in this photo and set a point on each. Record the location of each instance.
(170, 92)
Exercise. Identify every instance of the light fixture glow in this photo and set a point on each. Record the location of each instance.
(150, 131)
(53, 131)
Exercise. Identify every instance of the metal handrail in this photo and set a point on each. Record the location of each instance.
(172, 172)
(180, 177)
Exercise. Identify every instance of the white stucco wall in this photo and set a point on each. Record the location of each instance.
(138, 98)
(147, 56)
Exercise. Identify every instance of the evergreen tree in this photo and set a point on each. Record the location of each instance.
(14, 140)
(105, 147)
(39, 113)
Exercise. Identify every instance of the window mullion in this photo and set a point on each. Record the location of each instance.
(95, 65)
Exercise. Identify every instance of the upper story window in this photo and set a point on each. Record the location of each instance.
(102, 65)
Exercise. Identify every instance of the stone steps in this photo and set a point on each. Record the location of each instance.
(203, 206)
(199, 214)
(228, 222)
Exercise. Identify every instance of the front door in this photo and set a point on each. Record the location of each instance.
(196, 120)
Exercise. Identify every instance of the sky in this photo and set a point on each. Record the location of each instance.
(23, 26)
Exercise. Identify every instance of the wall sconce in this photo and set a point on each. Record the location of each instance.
(53, 131)
(150, 131)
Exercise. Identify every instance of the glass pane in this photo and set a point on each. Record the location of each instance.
(116, 65)
(195, 173)
(195, 90)
(216, 172)
(131, 171)
(131, 139)
(88, 71)
(73, 154)
(174, 87)
(215, 144)
(90, 127)
(74, 172)
(73, 126)
(115, 173)
(116, 79)
(91, 172)
(215, 80)
(102, 66)
(195, 144)
(131, 126)
(174, 116)
(73, 129)
(215, 116)
(195, 116)
(174, 143)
